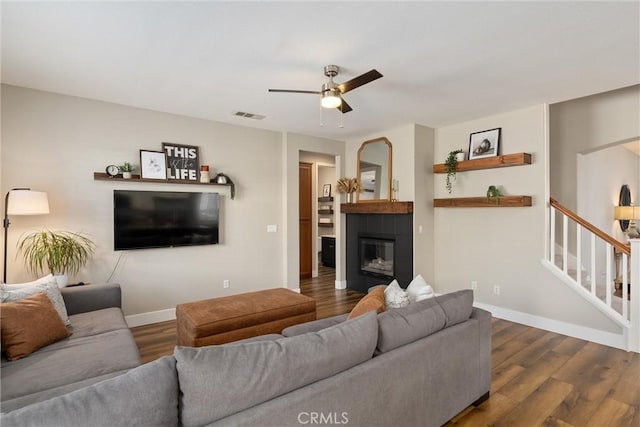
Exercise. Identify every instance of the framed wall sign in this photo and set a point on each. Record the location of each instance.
(183, 161)
(326, 190)
(153, 165)
(484, 144)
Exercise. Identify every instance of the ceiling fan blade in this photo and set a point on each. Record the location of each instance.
(315, 92)
(344, 107)
(356, 82)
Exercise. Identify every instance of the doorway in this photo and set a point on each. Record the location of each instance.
(305, 219)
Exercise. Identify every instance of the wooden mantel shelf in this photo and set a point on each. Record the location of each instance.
(481, 202)
(377, 208)
(517, 159)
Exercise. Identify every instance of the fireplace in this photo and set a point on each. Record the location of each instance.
(391, 249)
(376, 256)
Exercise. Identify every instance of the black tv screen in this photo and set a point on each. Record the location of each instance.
(157, 219)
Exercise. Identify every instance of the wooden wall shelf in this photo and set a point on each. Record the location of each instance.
(325, 224)
(505, 160)
(377, 208)
(101, 176)
(325, 211)
(481, 202)
(325, 199)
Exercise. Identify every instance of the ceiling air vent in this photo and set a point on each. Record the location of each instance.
(249, 115)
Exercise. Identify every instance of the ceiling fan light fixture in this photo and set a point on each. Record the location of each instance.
(330, 99)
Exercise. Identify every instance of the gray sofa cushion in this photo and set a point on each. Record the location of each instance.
(314, 326)
(404, 325)
(145, 396)
(28, 399)
(457, 306)
(81, 299)
(69, 361)
(218, 381)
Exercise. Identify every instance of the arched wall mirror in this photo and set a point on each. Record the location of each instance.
(374, 171)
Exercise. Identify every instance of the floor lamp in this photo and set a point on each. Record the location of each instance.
(21, 201)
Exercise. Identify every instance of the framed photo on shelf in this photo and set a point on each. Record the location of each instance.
(326, 190)
(153, 165)
(484, 144)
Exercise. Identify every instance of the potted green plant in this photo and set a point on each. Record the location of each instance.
(493, 192)
(451, 163)
(62, 252)
(126, 168)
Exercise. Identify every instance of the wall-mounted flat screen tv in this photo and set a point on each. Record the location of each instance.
(158, 219)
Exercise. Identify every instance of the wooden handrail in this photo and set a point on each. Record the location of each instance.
(621, 247)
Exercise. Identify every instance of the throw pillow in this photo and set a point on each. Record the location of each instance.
(51, 290)
(41, 281)
(373, 301)
(395, 296)
(29, 324)
(419, 290)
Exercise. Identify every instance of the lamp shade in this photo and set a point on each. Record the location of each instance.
(27, 202)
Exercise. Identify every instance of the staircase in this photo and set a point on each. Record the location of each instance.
(596, 288)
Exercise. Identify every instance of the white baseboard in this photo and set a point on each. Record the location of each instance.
(341, 284)
(295, 290)
(134, 320)
(600, 337)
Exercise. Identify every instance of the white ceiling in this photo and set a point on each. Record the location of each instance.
(443, 62)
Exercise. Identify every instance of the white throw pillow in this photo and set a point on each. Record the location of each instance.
(41, 281)
(419, 290)
(395, 296)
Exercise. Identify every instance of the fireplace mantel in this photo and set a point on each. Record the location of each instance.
(377, 208)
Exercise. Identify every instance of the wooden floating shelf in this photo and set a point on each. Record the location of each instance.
(377, 208)
(101, 176)
(505, 160)
(325, 211)
(325, 199)
(325, 224)
(481, 202)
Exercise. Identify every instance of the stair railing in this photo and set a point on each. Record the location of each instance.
(629, 315)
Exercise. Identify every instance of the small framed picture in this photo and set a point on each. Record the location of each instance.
(484, 144)
(153, 165)
(326, 190)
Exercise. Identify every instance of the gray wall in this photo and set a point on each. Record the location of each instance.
(586, 124)
(54, 143)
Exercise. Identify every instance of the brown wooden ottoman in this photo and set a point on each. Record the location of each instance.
(236, 317)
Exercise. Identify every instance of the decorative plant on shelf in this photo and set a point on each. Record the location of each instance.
(348, 186)
(493, 192)
(126, 168)
(451, 163)
(63, 252)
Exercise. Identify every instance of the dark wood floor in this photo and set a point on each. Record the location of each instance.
(539, 378)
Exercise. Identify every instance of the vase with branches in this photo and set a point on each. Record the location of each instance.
(348, 186)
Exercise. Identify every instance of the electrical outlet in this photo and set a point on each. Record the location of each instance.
(496, 289)
(474, 285)
(225, 284)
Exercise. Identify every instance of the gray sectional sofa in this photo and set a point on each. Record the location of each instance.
(100, 347)
(415, 366)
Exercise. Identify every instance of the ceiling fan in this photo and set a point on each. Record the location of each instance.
(332, 92)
